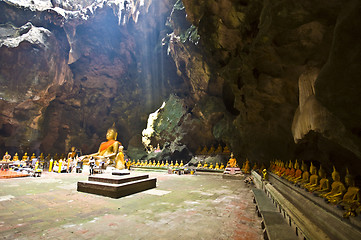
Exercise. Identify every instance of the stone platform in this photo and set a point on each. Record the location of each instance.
(116, 186)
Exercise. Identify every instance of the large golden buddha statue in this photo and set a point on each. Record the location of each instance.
(108, 149)
(232, 162)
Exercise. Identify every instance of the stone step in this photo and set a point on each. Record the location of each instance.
(116, 190)
(116, 179)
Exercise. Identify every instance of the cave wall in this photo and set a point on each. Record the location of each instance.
(270, 79)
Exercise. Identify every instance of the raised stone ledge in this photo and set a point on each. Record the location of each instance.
(308, 215)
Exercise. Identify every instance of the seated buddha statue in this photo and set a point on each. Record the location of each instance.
(16, 157)
(162, 164)
(181, 164)
(6, 157)
(282, 169)
(218, 150)
(204, 151)
(33, 156)
(298, 173)
(232, 162)
(255, 167)
(324, 183)
(246, 168)
(205, 165)
(211, 166)
(25, 157)
(337, 189)
(305, 175)
(110, 148)
(216, 167)
(351, 200)
(199, 165)
(211, 150)
(313, 179)
(221, 167)
(226, 150)
(288, 170)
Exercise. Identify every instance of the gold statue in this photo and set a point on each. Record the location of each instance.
(232, 162)
(337, 188)
(218, 150)
(33, 156)
(119, 160)
(217, 166)
(6, 157)
(246, 168)
(226, 150)
(351, 200)
(199, 165)
(324, 184)
(25, 157)
(199, 150)
(313, 179)
(110, 148)
(16, 157)
(265, 175)
(204, 151)
(211, 150)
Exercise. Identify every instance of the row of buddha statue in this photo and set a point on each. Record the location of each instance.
(213, 151)
(158, 164)
(345, 195)
(8, 158)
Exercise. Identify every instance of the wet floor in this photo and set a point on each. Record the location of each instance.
(181, 207)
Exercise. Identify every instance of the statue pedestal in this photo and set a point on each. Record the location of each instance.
(232, 173)
(116, 186)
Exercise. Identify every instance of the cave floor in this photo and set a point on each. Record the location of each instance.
(181, 207)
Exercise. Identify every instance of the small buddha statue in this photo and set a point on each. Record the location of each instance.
(162, 164)
(221, 167)
(158, 164)
(166, 163)
(292, 171)
(32, 156)
(176, 163)
(305, 175)
(199, 165)
(205, 165)
(119, 159)
(204, 151)
(154, 164)
(337, 189)
(181, 164)
(216, 167)
(255, 167)
(298, 173)
(351, 200)
(110, 148)
(232, 162)
(171, 164)
(41, 157)
(16, 157)
(7, 157)
(218, 150)
(313, 179)
(324, 183)
(211, 150)
(138, 163)
(246, 167)
(226, 150)
(158, 149)
(211, 166)
(25, 157)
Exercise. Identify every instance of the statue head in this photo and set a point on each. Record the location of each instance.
(232, 155)
(349, 179)
(321, 172)
(297, 166)
(112, 133)
(335, 175)
(313, 169)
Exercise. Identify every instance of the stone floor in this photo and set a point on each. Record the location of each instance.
(181, 207)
